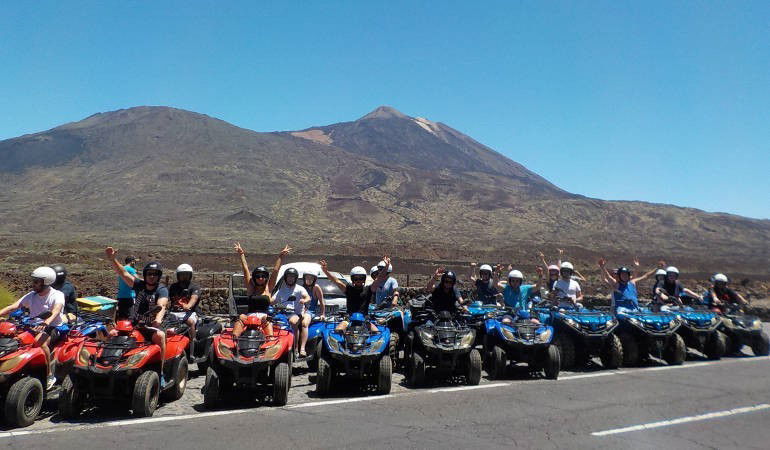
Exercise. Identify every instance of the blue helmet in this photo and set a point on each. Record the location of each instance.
(357, 317)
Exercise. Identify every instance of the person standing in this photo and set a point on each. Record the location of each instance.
(126, 294)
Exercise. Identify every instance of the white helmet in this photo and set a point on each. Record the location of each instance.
(672, 269)
(486, 267)
(660, 272)
(567, 265)
(314, 272)
(373, 270)
(553, 267)
(515, 274)
(720, 277)
(184, 268)
(381, 264)
(45, 273)
(358, 270)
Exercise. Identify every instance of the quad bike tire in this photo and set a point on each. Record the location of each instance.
(499, 363)
(566, 351)
(312, 363)
(281, 383)
(734, 345)
(24, 401)
(204, 365)
(393, 347)
(70, 399)
(676, 351)
(323, 379)
(551, 362)
(631, 356)
(212, 389)
(760, 345)
(416, 370)
(612, 353)
(144, 400)
(473, 370)
(384, 375)
(716, 346)
(179, 371)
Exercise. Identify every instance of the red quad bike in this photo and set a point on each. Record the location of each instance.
(251, 361)
(65, 351)
(126, 368)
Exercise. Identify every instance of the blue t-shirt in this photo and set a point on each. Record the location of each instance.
(124, 290)
(518, 299)
(625, 296)
(386, 290)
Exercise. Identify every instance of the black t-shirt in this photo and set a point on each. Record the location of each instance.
(486, 291)
(145, 299)
(258, 304)
(70, 297)
(725, 295)
(358, 299)
(178, 292)
(445, 301)
(671, 289)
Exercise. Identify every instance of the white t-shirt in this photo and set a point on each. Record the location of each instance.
(37, 304)
(566, 288)
(282, 296)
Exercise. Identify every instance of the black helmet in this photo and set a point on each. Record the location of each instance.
(623, 269)
(61, 273)
(291, 271)
(260, 270)
(448, 275)
(152, 265)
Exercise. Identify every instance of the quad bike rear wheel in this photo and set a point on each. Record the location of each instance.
(612, 352)
(70, 399)
(212, 391)
(281, 383)
(551, 362)
(416, 370)
(384, 375)
(179, 371)
(734, 345)
(715, 346)
(24, 401)
(146, 393)
(473, 371)
(323, 379)
(630, 347)
(760, 345)
(499, 362)
(676, 351)
(566, 350)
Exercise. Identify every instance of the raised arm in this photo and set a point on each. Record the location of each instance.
(382, 275)
(432, 280)
(244, 265)
(646, 275)
(330, 276)
(119, 269)
(542, 258)
(606, 275)
(277, 268)
(473, 273)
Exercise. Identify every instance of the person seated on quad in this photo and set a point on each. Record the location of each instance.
(388, 289)
(293, 296)
(126, 295)
(669, 292)
(720, 297)
(184, 295)
(43, 301)
(259, 285)
(517, 295)
(487, 284)
(566, 292)
(358, 295)
(149, 294)
(444, 295)
(317, 306)
(625, 296)
(660, 276)
(65, 287)
(577, 276)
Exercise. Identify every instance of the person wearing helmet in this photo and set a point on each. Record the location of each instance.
(43, 301)
(516, 294)
(487, 284)
(719, 296)
(66, 288)
(625, 296)
(444, 293)
(293, 296)
(149, 294)
(358, 295)
(554, 269)
(660, 276)
(388, 289)
(566, 292)
(183, 296)
(670, 290)
(126, 295)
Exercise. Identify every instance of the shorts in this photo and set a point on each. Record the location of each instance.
(261, 315)
(53, 334)
(124, 307)
(182, 314)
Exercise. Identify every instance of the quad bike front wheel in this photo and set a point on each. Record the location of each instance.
(612, 352)
(416, 370)
(676, 351)
(384, 375)
(212, 390)
(473, 371)
(179, 371)
(760, 345)
(630, 347)
(146, 393)
(323, 379)
(566, 350)
(499, 362)
(24, 401)
(281, 384)
(716, 346)
(551, 362)
(70, 399)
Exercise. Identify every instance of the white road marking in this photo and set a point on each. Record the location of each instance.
(468, 388)
(681, 420)
(342, 400)
(590, 375)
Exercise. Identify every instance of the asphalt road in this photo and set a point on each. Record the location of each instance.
(702, 404)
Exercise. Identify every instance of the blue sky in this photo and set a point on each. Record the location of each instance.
(664, 102)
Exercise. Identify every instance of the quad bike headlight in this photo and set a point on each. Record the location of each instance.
(468, 339)
(610, 323)
(545, 336)
(756, 324)
(673, 323)
(271, 351)
(334, 344)
(224, 350)
(714, 320)
(427, 337)
(571, 322)
(83, 356)
(134, 359)
(508, 334)
(374, 346)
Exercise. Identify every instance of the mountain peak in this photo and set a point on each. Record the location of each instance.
(385, 112)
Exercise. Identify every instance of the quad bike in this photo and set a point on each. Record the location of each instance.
(252, 361)
(479, 313)
(520, 340)
(125, 368)
(199, 351)
(644, 333)
(359, 352)
(315, 334)
(444, 344)
(397, 319)
(700, 330)
(741, 329)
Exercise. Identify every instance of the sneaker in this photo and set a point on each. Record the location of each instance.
(163, 382)
(50, 382)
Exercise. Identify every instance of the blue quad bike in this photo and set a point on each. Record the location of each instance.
(444, 344)
(359, 352)
(644, 333)
(741, 329)
(397, 319)
(479, 313)
(583, 333)
(520, 340)
(315, 336)
(699, 327)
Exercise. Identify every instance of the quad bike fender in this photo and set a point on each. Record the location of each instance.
(30, 358)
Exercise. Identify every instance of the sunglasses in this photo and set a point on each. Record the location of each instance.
(38, 281)
(152, 274)
(260, 275)
(358, 278)
(449, 281)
